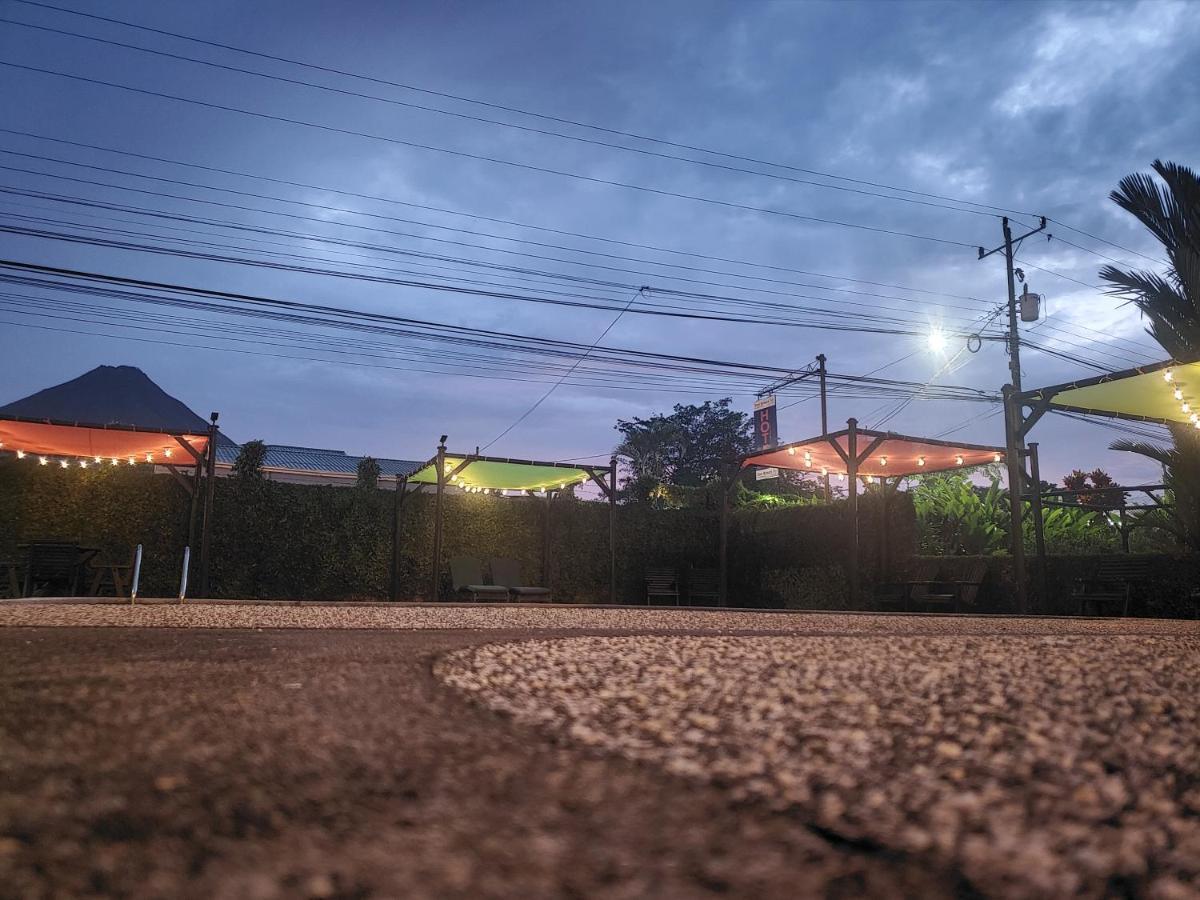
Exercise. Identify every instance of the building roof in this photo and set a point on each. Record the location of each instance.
(317, 461)
(889, 455)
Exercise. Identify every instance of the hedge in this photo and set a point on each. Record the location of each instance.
(276, 540)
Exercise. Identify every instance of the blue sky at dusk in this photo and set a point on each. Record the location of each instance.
(1034, 107)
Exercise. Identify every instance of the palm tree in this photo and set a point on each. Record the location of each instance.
(1171, 211)
(1180, 515)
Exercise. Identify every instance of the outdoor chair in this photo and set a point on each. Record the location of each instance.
(507, 573)
(466, 577)
(10, 580)
(956, 594)
(1112, 585)
(899, 594)
(662, 582)
(110, 576)
(704, 587)
(53, 565)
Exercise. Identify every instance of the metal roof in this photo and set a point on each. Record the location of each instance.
(317, 461)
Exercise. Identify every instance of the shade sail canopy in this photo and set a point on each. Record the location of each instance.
(889, 455)
(1164, 392)
(495, 473)
(74, 440)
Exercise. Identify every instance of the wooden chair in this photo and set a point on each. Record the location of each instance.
(506, 573)
(662, 582)
(466, 577)
(899, 594)
(1112, 585)
(704, 586)
(115, 577)
(960, 593)
(10, 580)
(52, 565)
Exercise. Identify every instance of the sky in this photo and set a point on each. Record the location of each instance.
(1035, 108)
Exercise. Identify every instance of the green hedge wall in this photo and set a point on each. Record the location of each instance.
(274, 540)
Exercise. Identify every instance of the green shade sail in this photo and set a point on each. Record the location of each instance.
(502, 474)
(1163, 392)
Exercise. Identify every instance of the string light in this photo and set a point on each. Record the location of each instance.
(132, 461)
(958, 460)
(62, 463)
(83, 464)
(995, 457)
(791, 451)
(562, 487)
(42, 460)
(1178, 394)
(20, 454)
(920, 460)
(149, 457)
(115, 462)
(824, 471)
(166, 453)
(1168, 375)
(97, 460)
(1185, 407)
(883, 461)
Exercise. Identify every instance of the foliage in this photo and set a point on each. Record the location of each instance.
(368, 474)
(955, 516)
(815, 587)
(249, 462)
(1171, 211)
(1180, 517)
(691, 446)
(1105, 495)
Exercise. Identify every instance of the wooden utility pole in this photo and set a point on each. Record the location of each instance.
(1014, 443)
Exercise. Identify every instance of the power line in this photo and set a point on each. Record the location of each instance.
(542, 399)
(333, 129)
(511, 109)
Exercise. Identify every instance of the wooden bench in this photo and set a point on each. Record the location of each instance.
(1112, 585)
(704, 586)
(662, 582)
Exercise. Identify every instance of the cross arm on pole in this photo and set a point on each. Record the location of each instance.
(983, 254)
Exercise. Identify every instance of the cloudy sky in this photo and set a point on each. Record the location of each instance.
(850, 111)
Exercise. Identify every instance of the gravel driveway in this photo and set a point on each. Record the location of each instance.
(314, 752)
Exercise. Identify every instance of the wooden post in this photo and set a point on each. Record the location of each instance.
(612, 531)
(723, 560)
(1039, 525)
(397, 518)
(852, 478)
(440, 466)
(546, 540)
(209, 486)
(824, 418)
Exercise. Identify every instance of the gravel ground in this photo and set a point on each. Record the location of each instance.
(288, 763)
(1035, 766)
(404, 616)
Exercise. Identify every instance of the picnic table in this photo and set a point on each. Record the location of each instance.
(45, 566)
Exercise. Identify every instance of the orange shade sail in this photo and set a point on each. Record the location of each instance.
(82, 441)
(890, 455)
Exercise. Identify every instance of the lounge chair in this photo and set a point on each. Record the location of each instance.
(662, 582)
(507, 573)
(956, 594)
(1112, 587)
(900, 594)
(53, 566)
(466, 576)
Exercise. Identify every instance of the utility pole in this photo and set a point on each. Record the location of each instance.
(1014, 442)
(824, 415)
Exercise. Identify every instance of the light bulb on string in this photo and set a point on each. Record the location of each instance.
(62, 463)
(42, 460)
(1168, 375)
(132, 461)
(958, 460)
(1178, 394)
(995, 457)
(20, 454)
(83, 464)
(920, 461)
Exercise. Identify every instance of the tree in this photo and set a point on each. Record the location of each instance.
(1171, 211)
(368, 474)
(1106, 493)
(687, 448)
(249, 462)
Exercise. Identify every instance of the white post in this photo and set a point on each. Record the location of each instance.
(187, 555)
(137, 573)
